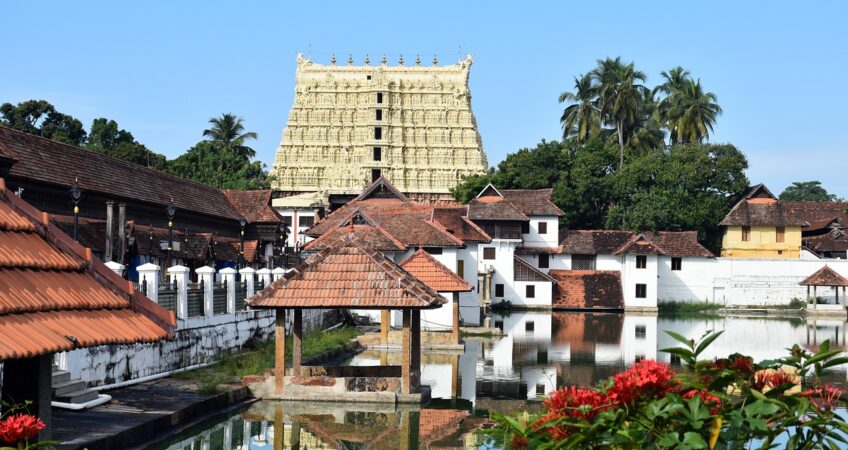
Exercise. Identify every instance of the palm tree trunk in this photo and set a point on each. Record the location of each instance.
(619, 127)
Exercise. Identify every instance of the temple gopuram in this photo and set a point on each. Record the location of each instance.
(351, 124)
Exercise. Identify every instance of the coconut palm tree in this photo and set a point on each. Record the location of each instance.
(227, 133)
(620, 96)
(675, 79)
(581, 118)
(692, 113)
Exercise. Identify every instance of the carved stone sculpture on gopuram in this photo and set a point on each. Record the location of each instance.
(351, 124)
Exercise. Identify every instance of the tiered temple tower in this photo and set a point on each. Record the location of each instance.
(350, 124)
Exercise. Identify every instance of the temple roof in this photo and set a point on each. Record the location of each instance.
(426, 268)
(348, 275)
(255, 206)
(825, 277)
(54, 296)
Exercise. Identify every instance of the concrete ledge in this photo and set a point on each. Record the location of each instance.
(641, 309)
(328, 389)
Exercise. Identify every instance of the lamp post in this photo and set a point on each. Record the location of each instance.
(242, 222)
(171, 210)
(150, 243)
(76, 195)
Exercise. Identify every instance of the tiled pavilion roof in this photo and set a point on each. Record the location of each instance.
(54, 296)
(255, 205)
(348, 275)
(825, 277)
(426, 268)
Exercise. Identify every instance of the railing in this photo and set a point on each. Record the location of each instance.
(195, 299)
(241, 294)
(260, 284)
(168, 296)
(219, 298)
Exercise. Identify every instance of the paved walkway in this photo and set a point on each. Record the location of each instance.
(138, 413)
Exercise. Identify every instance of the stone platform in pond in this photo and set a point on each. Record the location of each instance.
(363, 384)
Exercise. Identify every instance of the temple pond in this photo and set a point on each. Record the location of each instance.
(538, 352)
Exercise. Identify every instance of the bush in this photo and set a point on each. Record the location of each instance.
(726, 403)
(687, 307)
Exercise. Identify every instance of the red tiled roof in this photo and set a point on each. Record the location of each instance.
(454, 219)
(593, 242)
(825, 277)
(639, 245)
(494, 208)
(679, 243)
(614, 242)
(818, 214)
(523, 250)
(48, 161)
(763, 211)
(250, 250)
(426, 268)
(833, 241)
(533, 202)
(255, 206)
(348, 275)
(54, 296)
(587, 289)
(381, 188)
(373, 236)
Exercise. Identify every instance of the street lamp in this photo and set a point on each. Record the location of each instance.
(242, 222)
(150, 243)
(171, 210)
(76, 195)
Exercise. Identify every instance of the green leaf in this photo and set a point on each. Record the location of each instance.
(707, 341)
(680, 338)
(693, 440)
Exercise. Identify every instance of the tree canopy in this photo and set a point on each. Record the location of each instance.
(105, 137)
(206, 163)
(807, 190)
(39, 117)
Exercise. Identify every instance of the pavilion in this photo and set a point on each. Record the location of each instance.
(347, 275)
(55, 296)
(825, 277)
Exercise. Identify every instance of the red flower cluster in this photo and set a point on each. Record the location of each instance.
(824, 397)
(646, 379)
(707, 399)
(772, 379)
(20, 428)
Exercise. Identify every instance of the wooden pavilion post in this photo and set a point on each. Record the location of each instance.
(297, 338)
(385, 320)
(415, 350)
(406, 361)
(279, 426)
(455, 331)
(815, 298)
(280, 351)
(836, 288)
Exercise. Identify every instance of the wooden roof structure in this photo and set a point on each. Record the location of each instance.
(825, 277)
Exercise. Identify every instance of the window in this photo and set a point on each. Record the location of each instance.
(543, 227)
(676, 263)
(375, 174)
(531, 291)
(540, 389)
(582, 262)
(378, 133)
(675, 360)
(460, 268)
(641, 332)
(641, 261)
(489, 253)
(367, 77)
(287, 220)
(433, 250)
(639, 358)
(305, 221)
(525, 227)
(544, 261)
(378, 154)
(641, 290)
(379, 114)
(499, 324)
(780, 235)
(746, 234)
(499, 291)
(542, 357)
(379, 97)
(530, 326)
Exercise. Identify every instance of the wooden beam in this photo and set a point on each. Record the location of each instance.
(279, 426)
(415, 350)
(385, 324)
(280, 351)
(297, 337)
(455, 333)
(406, 361)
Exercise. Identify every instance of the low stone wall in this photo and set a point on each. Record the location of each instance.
(198, 340)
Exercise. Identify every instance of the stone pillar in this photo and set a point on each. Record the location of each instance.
(122, 232)
(248, 274)
(30, 379)
(265, 276)
(415, 350)
(180, 275)
(116, 267)
(150, 273)
(280, 351)
(406, 354)
(228, 275)
(297, 340)
(278, 273)
(110, 225)
(455, 330)
(206, 275)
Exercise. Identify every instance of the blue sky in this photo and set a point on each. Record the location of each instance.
(162, 69)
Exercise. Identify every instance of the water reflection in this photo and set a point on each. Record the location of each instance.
(539, 352)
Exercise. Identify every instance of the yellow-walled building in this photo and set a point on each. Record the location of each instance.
(761, 226)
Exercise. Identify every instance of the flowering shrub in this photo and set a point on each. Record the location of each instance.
(18, 429)
(725, 403)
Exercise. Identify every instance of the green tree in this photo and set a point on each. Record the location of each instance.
(691, 113)
(471, 186)
(584, 191)
(807, 191)
(206, 163)
(581, 118)
(40, 118)
(106, 137)
(620, 96)
(227, 133)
